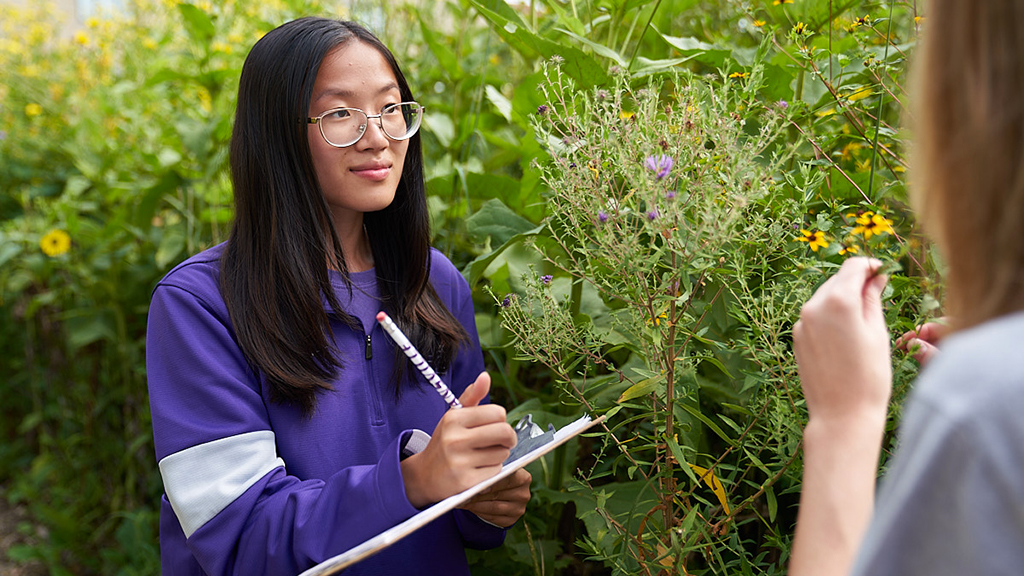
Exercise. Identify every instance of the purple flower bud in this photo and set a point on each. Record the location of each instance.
(652, 214)
(507, 301)
(670, 195)
(783, 104)
(542, 109)
(546, 279)
(602, 216)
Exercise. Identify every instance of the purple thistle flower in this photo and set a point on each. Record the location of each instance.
(783, 104)
(542, 109)
(602, 216)
(660, 165)
(546, 279)
(507, 301)
(670, 194)
(652, 214)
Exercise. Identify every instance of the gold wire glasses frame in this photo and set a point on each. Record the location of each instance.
(343, 127)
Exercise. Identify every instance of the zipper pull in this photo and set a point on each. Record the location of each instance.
(369, 348)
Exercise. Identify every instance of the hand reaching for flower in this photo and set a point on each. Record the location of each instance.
(922, 342)
(842, 345)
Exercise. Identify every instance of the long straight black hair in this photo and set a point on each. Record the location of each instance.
(274, 271)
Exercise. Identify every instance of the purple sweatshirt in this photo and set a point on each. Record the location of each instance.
(252, 487)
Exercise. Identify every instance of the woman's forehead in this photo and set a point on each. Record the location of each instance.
(354, 69)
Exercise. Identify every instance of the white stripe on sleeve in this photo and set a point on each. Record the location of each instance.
(203, 480)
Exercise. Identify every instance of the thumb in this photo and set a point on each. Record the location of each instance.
(477, 391)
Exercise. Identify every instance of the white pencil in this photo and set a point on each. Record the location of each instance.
(396, 334)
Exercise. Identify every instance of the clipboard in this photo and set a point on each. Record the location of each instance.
(388, 537)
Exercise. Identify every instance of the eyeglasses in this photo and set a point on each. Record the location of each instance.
(343, 127)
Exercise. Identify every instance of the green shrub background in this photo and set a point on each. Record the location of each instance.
(671, 314)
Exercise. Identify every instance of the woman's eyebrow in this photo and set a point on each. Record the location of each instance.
(345, 93)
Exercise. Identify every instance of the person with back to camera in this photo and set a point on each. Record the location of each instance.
(952, 500)
(288, 428)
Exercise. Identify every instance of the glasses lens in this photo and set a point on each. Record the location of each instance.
(343, 126)
(401, 121)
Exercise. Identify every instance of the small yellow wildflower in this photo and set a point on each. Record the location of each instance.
(81, 38)
(758, 23)
(778, 2)
(224, 47)
(870, 224)
(494, 60)
(33, 109)
(863, 21)
(800, 28)
(92, 22)
(917, 19)
(149, 44)
(657, 319)
(814, 239)
(626, 115)
(848, 250)
(738, 75)
(55, 243)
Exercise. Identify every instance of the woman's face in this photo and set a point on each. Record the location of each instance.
(364, 176)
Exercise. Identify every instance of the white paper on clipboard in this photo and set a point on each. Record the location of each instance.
(392, 535)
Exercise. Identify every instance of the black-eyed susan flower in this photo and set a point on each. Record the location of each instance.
(758, 23)
(870, 224)
(814, 239)
(739, 75)
(848, 250)
(800, 28)
(55, 243)
(778, 2)
(862, 21)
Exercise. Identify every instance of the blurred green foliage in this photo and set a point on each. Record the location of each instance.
(113, 151)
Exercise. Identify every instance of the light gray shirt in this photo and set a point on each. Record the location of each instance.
(952, 501)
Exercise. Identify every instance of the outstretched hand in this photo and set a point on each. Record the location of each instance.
(842, 345)
(922, 342)
(467, 447)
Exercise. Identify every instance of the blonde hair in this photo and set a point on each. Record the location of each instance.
(969, 152)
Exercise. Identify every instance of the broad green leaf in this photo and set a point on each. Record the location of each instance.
(496, 220)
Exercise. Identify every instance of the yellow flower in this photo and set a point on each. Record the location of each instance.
(626, 115)
(33, 109)
(81, 38)
(657, 319)
(848, 250)
(777, 2)
(224, 47)
(758, 23)
(149, 44)
(814, 239)
(800, 28)
(738, 75)
(864, 21)
(55, 243)
(848, 153)
(92, 22)
(870, 224)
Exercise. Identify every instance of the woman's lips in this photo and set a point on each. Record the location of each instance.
(372, 172)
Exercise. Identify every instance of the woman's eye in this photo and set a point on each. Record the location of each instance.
(338, 114)
(391, 109)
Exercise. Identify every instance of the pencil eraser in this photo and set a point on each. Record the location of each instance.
(381, 316)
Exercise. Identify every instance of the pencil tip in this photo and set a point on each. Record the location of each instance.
(381, 316)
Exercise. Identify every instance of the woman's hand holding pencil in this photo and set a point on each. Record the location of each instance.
(466, 448)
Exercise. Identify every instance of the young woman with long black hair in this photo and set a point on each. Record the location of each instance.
(287, 427)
